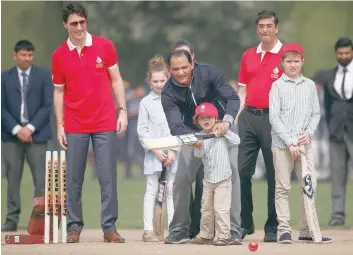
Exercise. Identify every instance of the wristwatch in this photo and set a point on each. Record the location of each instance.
(122, 109)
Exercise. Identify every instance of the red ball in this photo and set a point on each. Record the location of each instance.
(253, 246)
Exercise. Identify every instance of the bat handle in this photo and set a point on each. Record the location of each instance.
(302, 148)
(206, 136)
(164, 169)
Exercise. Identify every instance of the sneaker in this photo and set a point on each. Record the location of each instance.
(235, 238)
(336, 223)
(200, 240)
(270, 237)
(310, 239)
(285, 238)
(149, 236)
(178, 237)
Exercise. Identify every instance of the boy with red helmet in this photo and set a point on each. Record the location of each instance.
(217, 182)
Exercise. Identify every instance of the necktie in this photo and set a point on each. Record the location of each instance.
(342, 87)
(24, 93)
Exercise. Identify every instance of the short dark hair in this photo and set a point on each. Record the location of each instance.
(74, 8)
(181, 43)
(343, 42)
(266, 14)
(179, 53)
(24, 45)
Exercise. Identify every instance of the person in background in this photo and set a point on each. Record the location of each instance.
(338, 103)
(259, 68)
(321, 143)
(26, 106)
(134, 150)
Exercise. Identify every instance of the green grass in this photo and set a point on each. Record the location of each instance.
(130, 194)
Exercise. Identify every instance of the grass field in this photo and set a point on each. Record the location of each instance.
(130, 194)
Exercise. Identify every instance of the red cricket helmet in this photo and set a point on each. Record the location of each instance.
(207, 109)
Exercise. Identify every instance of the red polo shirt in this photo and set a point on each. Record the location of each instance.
(258, 70)
(88, 97)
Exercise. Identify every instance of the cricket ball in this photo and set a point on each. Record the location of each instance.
(253, 246)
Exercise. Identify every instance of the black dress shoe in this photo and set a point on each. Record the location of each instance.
(247, 231)
(9, 228)
(270, 238)
(336, 223)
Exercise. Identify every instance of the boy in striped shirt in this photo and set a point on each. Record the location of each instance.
(294, 116)
(217, 182)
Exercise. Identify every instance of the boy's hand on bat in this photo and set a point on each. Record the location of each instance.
(198, 145)
(304, 138)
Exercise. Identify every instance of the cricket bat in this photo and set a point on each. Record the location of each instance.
(174, 141)
(309, 183)
(159, 207)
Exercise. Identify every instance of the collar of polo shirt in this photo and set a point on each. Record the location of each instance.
(274, 50)
(88, 42)
(297, 81)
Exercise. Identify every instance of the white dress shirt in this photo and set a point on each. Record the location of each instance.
(348, 82)
(17, 128)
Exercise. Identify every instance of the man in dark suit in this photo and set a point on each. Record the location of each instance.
(338, 103)
(26, 105)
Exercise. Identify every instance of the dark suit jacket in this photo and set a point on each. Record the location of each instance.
(339, 112)
(39, 103)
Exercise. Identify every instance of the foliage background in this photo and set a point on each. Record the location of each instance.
(219, 31)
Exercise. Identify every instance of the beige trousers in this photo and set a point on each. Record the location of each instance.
(215, 209)
(284, 164)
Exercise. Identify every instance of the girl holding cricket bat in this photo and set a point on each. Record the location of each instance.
(152, 123)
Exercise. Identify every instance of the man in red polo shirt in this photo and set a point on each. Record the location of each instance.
(260, 67)
(85, 73)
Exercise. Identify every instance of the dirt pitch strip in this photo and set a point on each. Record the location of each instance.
(91, 243)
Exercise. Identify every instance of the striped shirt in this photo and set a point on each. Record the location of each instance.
(215, 156)
(294, 108)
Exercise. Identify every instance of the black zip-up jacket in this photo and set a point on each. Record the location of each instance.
(208, 84)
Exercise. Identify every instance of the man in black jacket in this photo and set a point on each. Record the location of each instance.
(188, 86)
(338, 103)
(195, 202)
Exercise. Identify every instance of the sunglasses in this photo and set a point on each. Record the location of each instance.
(75, 23)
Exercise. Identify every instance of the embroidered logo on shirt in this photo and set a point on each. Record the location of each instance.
(99, 63)
(275, 73)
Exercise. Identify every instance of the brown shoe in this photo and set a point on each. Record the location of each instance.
(73, 236)
(113, 237)
(201, 241)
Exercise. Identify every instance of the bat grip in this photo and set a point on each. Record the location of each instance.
(164, 169)
(204, 137)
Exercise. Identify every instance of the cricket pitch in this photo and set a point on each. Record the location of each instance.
(92, 243)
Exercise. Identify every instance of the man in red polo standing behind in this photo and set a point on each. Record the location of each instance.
(260, 67)
(85, 72)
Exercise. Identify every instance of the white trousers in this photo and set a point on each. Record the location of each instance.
(150, 198)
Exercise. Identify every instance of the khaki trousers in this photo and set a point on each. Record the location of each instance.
(284, 164)
(215, 209)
